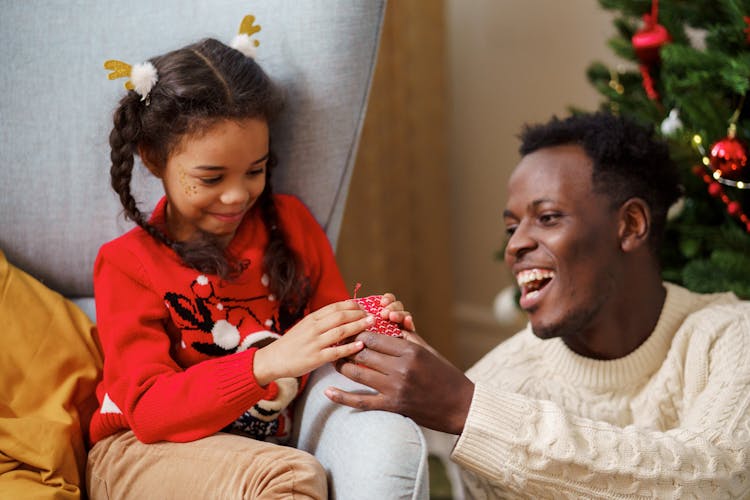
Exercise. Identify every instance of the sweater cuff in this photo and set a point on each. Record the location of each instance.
(236, 381)
(493, 426)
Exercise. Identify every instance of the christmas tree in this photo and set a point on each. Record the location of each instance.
(686, 73)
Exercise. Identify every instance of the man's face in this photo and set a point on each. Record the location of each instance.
(563, 244)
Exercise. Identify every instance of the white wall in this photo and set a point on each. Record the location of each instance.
(510, 62)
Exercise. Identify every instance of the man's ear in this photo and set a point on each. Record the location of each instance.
(634, 225)
(147, 159)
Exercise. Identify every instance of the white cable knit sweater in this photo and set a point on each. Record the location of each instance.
(669, 420)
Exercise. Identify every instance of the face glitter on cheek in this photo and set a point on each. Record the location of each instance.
(190, 189)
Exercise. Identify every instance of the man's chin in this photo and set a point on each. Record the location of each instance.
(544, 331)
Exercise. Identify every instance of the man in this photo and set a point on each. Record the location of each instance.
(621, 385)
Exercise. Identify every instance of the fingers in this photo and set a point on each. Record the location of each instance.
(361, 401)
(392, 346)
(364, 374)
(403, 318)
(409, 324)
(344, 305)
(387, 299)
(341, 332)
(390, 304)
(364, 359)
(326, 319)
(337, 352)
(394, 310)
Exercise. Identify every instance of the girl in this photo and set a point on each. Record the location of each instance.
(204, 309)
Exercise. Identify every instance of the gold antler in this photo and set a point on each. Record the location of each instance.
(119, 70)
(249, 28)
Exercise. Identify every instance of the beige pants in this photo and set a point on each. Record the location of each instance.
(222, 466)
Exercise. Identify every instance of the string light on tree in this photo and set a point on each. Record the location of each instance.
(714, 178)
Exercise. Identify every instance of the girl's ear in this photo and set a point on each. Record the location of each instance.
(147, 159)
(634, 224)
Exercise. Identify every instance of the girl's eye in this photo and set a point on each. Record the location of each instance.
(256, 171)
(210, 181)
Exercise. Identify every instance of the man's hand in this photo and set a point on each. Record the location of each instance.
(410, 379)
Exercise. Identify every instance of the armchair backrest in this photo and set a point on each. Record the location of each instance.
(56, 103)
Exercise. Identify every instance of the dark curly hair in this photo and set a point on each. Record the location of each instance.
(200, 85)
(628, 160)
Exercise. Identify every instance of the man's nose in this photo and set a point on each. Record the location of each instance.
(520, 242)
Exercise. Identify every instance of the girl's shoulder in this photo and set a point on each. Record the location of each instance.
(136, 240)
(135, 253)
(289, 203)
(293, 211)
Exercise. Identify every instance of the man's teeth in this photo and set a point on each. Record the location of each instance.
(532, 275)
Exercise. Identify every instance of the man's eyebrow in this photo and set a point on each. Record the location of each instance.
(533, 204)
(539, 201)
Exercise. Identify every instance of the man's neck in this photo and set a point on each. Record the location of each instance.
(632, 318)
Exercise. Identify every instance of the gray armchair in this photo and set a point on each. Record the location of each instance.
(56, 207)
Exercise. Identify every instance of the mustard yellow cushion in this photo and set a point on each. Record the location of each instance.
(49, 366)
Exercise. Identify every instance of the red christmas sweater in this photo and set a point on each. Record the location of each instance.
(178, 344)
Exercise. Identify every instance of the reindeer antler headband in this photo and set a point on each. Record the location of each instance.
(142, 77)
(242, 41)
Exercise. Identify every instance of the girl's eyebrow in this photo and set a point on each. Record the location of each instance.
(262, 159)
(212, 168)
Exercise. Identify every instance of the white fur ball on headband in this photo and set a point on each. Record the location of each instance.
(244, 44)
(143, 77)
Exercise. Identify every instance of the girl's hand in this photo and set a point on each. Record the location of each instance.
(312, 342)
(393, 310)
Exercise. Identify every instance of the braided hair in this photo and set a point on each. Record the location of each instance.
(200, 85)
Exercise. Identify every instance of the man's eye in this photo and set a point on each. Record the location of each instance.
(549, 218)
(509, 230)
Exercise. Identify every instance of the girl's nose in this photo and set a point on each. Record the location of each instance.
(235, 195)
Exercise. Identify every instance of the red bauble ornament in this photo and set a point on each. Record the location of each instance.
(649, 40)
(647, 43)
(729, 157)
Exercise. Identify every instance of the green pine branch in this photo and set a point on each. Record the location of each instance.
(704, 73)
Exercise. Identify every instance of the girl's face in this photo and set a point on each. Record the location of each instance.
(212, 179)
